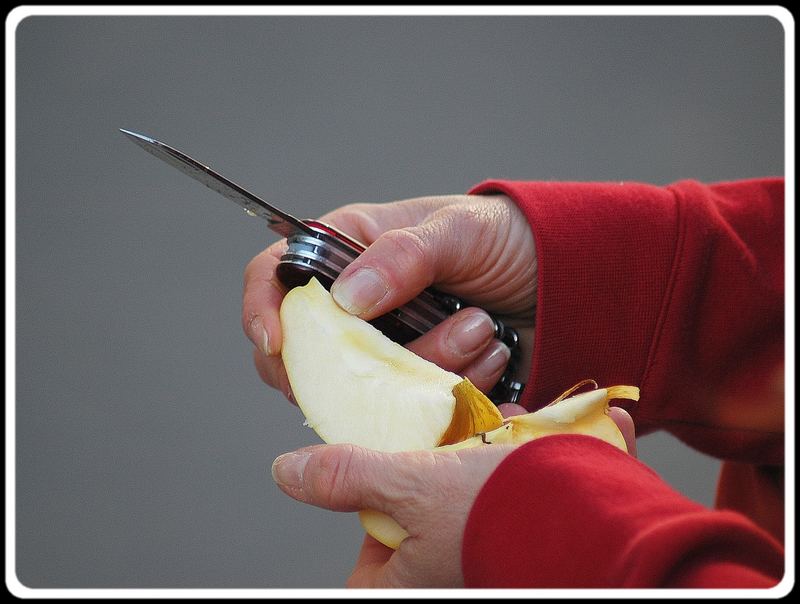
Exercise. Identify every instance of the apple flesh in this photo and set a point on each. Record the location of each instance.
(355, 385)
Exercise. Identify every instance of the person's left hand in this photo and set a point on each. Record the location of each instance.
(429, 493)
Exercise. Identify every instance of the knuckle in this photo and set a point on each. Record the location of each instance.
(476, 223)
(255, 276)
(332, 477)
(410, 248)
(478, 220)
(252, 285)
(271, 371)
(250, 269)
(262, 266)
(353, 209)
(354, 218)
(253, 269)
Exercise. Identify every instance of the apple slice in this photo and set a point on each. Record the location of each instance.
(355, 385)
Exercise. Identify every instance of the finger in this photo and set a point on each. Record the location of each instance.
(489, 366)
(420, 490)
(458, 244)
(261, 300)
(625, 424)
(263, 292)
(347, 478)
(368, 221)
(370, 565)
(273, 372)
(392, 271)
(456, 342)
(400, 263)
(511, 409)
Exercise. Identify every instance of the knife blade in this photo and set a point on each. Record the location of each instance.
(279, 221)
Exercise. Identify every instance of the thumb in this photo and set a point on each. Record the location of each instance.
(391, 271)
(463, 245)
(345, 477)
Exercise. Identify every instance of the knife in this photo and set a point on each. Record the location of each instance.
(317, 249)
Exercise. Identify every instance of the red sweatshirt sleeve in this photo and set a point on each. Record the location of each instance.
(678, 290)
(588, 515)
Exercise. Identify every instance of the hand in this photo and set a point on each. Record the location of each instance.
(479, 248)
(429, 493)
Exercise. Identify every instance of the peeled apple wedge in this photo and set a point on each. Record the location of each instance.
(355, 385)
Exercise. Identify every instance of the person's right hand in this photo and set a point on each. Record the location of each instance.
(479, 248)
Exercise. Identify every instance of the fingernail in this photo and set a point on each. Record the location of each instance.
(496, 360)
(265, 342)
(287, 469)
(470, 333)
(360, 291)
(258, 334)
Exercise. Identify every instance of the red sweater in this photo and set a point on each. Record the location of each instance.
(677, 290)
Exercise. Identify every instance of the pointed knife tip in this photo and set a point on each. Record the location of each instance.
(136, 135)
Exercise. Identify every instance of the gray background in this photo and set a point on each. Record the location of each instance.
(144, 436)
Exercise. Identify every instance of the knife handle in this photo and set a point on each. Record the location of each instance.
(326, 252)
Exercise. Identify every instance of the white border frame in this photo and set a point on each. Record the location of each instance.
(19, 13)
